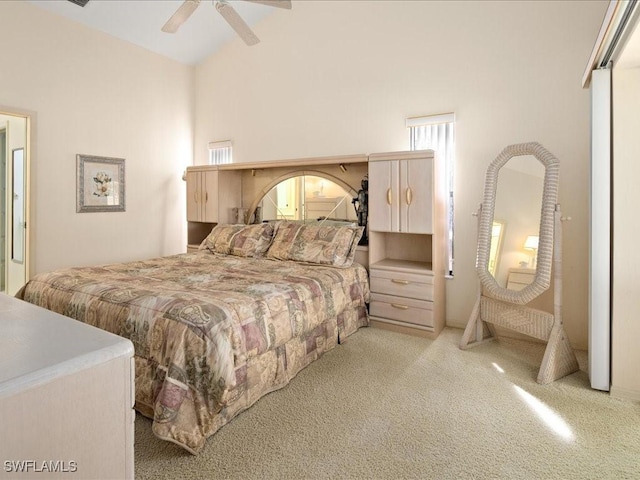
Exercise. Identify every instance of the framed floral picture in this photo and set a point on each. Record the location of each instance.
(100, 184)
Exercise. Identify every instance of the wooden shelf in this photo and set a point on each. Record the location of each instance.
(408, 266)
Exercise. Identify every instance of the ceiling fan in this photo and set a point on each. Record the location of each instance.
(228, 13)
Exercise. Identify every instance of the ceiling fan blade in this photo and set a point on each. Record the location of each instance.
(80, 3)
(237, 23)
(274, 3)
(180, 16)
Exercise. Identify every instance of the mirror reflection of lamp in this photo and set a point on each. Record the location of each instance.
(531, 243)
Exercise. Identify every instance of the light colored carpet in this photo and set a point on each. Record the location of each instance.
(389, 406)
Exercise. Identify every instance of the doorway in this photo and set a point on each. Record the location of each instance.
(14, 200)
(3, 201)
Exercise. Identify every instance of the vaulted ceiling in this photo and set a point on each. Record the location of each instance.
(140, 21)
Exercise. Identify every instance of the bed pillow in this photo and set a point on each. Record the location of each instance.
(239, 240)
(317, 244)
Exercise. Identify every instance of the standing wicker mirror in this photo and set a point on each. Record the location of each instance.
(498, 305)
(544, 231)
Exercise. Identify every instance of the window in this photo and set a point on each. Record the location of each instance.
(220, 152)
(437, 132)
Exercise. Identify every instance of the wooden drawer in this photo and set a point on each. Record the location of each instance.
(409, 285)
(417, 312)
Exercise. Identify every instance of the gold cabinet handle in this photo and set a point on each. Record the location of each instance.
(401, 282)
(196, 196)
(206, 197)
(409, 195)
(399, 307)
(389, 196)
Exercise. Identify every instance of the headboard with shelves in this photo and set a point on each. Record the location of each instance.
(242, 185)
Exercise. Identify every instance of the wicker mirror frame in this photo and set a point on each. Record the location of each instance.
(542, 278)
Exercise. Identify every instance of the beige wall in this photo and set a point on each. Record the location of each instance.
(625, 328)
(93, 94)
(335, 78)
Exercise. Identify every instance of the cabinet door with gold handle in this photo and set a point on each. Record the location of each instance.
(210, 192)
(416, 180)
(384, 196)
(193, 197)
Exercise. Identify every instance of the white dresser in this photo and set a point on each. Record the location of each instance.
(66, 397)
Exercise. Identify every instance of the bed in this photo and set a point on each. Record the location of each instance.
(215, 330)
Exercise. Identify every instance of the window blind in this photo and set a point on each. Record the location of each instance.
(220, 152)
(437, 132)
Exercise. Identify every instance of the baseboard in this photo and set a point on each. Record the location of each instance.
(625, 393)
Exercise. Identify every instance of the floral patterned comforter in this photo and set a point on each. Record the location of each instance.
(199, 322)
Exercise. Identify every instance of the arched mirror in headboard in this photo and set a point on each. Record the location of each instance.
(520, 199)
(305, 196)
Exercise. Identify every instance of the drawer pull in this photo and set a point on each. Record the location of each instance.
(401, 282)
(399, 307)
(409, 196)
(389, 196)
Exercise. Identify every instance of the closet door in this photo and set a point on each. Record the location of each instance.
(600, 232)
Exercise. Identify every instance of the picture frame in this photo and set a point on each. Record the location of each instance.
(100, 184)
